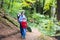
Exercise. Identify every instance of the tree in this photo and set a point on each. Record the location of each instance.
(1, 3)
(58, 10)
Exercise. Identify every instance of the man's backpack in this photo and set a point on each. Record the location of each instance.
(18, 16)
(29, 29)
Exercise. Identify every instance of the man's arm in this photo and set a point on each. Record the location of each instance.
(24, 17)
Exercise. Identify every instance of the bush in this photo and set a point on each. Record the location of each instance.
(45, 25)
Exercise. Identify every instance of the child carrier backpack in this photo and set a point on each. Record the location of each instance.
(24, 24)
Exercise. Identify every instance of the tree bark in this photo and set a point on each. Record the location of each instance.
(58, 10)
(1, 3)
(38, 7)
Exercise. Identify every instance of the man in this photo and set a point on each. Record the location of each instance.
(20, 19)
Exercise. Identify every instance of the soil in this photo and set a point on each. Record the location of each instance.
(8, 33)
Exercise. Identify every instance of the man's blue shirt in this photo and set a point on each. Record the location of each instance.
(21, 18)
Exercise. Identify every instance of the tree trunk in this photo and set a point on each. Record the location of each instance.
(58, 10)
(8, 5)
(38, 7)
(1, 3)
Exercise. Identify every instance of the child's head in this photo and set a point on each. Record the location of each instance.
(24, 19)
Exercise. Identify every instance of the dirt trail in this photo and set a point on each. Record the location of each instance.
(7, 33)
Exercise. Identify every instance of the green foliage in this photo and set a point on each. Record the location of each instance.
(44, 24)
(12, 7)
(37, 17)
(58, 23)
(48, 4)
(48, 28)
(41, 2)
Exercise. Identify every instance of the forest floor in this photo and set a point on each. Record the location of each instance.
(7, 33)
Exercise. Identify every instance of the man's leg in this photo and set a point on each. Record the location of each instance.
(24, 33)
(21, 29)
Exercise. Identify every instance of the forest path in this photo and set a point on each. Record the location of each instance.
(7, 33)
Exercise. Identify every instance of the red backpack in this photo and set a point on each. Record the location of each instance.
(24, 24)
